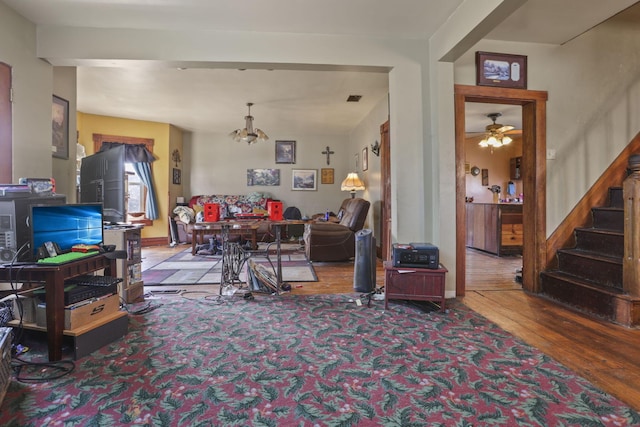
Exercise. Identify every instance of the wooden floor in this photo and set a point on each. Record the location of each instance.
(605, 354)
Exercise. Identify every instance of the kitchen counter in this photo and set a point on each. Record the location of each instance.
(495, 227)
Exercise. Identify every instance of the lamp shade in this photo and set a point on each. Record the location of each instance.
(352, 183)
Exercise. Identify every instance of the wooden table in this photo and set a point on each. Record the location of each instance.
(53, 277)
(243, 228)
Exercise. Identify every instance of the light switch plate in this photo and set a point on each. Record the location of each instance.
(551, 153)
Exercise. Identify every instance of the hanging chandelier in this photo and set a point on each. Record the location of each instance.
(495, 136)
(248, 134)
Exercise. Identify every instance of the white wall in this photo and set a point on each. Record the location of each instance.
(32, 89)
(365, 135)
(405, 58)
(215, 164)
(593, 110)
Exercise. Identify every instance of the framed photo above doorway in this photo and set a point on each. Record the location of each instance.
(501, 70)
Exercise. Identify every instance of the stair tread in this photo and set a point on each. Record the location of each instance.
(592, 255)
(608, 208)
(582, 282)
(598, 230)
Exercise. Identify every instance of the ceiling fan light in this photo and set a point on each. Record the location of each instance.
(506, 140)
(483, 143)
(492, 141)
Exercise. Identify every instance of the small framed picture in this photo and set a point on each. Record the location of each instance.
(326, 175)
(501, 70)
(60, 128)
(286, 152)
(177, 176)
(304, 179)
(365, 158)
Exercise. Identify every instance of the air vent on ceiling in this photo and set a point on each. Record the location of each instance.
(354, 98)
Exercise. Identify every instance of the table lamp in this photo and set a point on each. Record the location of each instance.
(352, 183)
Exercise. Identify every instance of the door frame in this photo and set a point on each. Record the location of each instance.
(534, 148)
(385, 183)
(6, 143)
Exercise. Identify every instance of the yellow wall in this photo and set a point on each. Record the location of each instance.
(162, 134)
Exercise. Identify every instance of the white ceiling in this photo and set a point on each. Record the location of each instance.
(214, 99)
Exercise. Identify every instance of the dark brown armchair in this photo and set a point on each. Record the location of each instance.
(330, 241)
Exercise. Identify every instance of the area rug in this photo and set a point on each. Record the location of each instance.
(310, 361)
(187, 269)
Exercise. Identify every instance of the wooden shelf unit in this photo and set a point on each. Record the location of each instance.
(90, 336)
(129, 269)
(414, 284)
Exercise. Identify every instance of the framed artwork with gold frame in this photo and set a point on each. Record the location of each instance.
(326, 175)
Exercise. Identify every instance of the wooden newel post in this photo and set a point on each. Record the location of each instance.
(631, 195)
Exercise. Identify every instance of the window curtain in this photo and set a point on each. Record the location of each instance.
(141, 158)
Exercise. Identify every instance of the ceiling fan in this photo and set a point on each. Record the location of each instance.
(496, 134)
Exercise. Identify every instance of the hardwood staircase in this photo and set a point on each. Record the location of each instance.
(589, 277)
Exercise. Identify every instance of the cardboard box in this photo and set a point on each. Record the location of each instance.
(134, 293)
(82, 313)
(28, 309)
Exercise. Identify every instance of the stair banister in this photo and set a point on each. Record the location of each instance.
(631, 262)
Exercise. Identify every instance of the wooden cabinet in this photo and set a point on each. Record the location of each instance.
(414, 284)
(494, 228)
(128, 239)
(515, 168)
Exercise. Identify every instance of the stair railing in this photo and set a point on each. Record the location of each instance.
(631, 262)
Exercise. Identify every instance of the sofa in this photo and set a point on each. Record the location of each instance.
(230, 206)
(335, 241)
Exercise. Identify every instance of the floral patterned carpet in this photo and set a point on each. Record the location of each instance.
(310, 361)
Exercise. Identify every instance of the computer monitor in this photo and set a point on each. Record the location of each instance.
(66, 225)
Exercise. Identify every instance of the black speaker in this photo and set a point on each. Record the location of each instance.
(364, 271)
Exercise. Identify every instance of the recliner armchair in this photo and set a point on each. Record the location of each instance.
(329, 241)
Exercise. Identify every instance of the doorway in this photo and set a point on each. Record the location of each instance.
(533, 176)
(493, 262)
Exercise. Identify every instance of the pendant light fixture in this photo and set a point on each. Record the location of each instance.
(248, 134)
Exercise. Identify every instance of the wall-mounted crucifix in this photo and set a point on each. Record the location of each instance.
(328, 152)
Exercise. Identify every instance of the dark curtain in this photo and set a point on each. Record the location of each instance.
(141, 158)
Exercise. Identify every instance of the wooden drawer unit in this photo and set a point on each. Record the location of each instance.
(416, 284)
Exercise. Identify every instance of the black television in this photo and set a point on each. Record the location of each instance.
(103, 180)
(66, 225)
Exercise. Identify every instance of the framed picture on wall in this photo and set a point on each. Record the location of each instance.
(326, 175)
(268, 177)
(286, 152)
(501, 70)
(304, 179)
(60, 127)
(365, 158)
(177, 176)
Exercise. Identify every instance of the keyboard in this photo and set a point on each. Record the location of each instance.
(65, 258)
(84, 287)
(91, 280)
